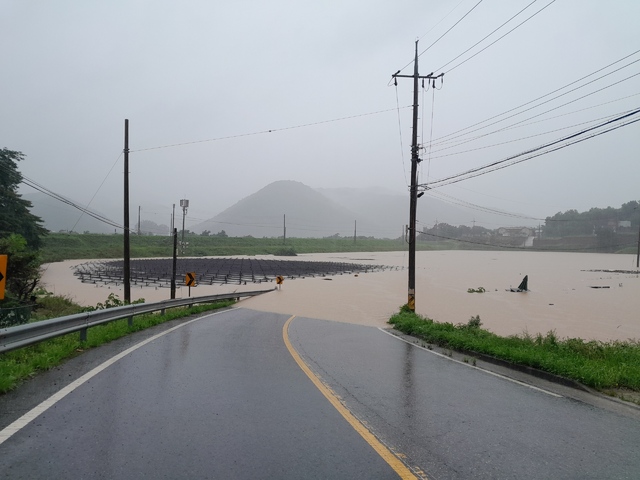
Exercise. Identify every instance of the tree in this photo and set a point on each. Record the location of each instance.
(23, 267)
(15, 217)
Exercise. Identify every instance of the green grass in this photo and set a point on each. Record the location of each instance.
(601, 365)
(59, 246)
(19, 365)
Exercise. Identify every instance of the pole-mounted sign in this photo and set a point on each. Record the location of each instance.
(190, 279)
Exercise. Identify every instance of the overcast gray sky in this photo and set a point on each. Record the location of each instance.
(190, 71)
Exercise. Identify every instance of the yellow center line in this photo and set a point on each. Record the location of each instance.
(394, 462)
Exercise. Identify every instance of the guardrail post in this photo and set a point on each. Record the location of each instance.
(83, 335)
(162, 311)
(130, 321)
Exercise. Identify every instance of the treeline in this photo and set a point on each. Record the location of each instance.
(596, 221)
(21, 234)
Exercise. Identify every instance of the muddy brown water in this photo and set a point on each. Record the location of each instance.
(561, 296)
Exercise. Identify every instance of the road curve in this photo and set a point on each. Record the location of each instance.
(228, 395)
(453, 421)
(220, 398)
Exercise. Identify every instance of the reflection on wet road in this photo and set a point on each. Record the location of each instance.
(219, 398)
(456, 422)
(222, 397)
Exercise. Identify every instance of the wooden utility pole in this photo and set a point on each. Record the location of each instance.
(127, 251)
(355, 230)
(413, 189)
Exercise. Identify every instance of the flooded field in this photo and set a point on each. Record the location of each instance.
(561, 296)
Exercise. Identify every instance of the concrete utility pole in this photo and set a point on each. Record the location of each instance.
(173, 219)
(355, 230)
(413, 189)
(184, 203)
(139, 230)
(127, 251)
(284, 226)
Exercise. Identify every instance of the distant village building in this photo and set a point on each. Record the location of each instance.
(516, 232)
(624, 224)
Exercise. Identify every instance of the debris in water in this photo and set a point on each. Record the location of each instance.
(523, 287)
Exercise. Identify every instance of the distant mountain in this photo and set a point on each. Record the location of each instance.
(58, 216)
(372, 212)
(308, 214)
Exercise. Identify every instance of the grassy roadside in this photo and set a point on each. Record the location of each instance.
(606, 366)
(19, 365)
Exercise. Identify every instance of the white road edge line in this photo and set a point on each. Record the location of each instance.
(513, 380)
(32, 414)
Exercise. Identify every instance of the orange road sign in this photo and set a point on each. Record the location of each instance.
(3, 275)
(190, 279)
(279, 280)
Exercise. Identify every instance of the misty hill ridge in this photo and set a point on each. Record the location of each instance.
(324, 212)
(308, 214)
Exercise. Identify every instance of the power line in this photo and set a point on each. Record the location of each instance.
(545, 95)
(261, 132)
(463, 203)
(546, 111)
(499, 38)
(429, 31)
(514, 159)
(518, 139)
(480, 41)
(96, 193)
(441, 20)
(404, 170)
(60, 198)
(451, 28)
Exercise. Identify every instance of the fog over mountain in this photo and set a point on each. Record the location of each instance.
(372, 212)
(58, 216)
(307, 212)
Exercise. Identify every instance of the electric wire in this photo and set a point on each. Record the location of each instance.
(404, 170)
(520, 125)
(441, 20)
(433, 101)
(521, 138)
(546, 111)
(451, 28)
(499, 38)
(541, 97)
(261, 132)
(96, 193)
(483, 39)
(456, 201)
(36, 186)
(571, 139)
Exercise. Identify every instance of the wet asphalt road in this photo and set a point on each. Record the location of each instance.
(223, 398)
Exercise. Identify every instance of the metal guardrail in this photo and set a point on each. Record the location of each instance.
(20, 336)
